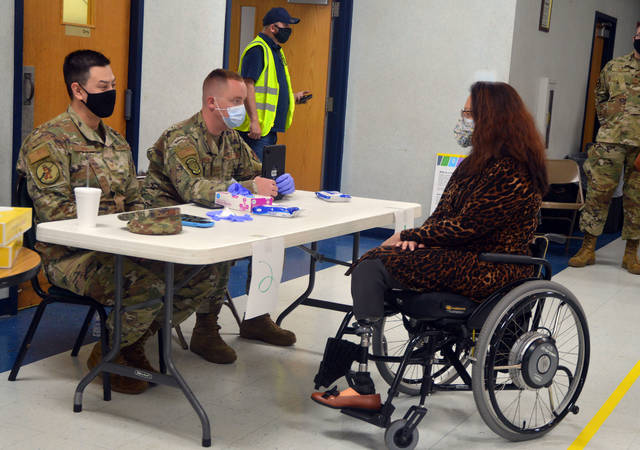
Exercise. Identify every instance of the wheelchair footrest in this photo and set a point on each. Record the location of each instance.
(414, 416)
(381, 418)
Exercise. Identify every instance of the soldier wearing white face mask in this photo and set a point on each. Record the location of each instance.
(189, 163)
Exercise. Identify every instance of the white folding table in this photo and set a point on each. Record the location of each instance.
(202, 246)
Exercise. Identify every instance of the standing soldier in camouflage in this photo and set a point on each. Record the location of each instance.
(617, 147)
(189, 163)
(78, 149)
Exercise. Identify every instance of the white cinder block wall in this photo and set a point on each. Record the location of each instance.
(181, 45)
(412, 63)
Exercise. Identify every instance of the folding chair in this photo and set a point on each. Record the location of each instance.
(564, 171)
(57, 295)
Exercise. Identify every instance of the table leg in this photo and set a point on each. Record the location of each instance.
(166, 336)
(117, 338)
(304, 298)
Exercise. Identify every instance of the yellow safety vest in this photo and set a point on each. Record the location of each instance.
(267, 89)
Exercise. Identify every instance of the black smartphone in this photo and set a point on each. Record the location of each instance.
(273, 160)
(305, 98)
(194, 221)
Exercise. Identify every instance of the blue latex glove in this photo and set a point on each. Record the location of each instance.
(285, 184)
(216, 215)
(238, 189)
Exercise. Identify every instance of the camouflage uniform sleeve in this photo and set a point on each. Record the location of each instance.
(44, 161)
(249, 166)
(602, 94)
(184, 168)
(133, 200)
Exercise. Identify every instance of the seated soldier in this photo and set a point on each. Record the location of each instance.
(189, 163)
(490, 205)
(77, 149)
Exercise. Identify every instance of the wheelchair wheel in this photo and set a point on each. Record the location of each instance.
(532, 360)
(393, 436)
(390, 338)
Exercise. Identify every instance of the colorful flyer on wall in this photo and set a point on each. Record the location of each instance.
(446, 164)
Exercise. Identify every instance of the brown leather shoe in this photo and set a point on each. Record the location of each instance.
(349, 398)
(124, 385)
(262, 328)
(206, 340)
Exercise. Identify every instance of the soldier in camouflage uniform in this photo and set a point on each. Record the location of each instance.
(78, 149)
(189, 163)
(617, 147)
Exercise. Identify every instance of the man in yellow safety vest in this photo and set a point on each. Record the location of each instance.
(270, 98)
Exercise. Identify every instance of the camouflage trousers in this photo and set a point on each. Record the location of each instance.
(92, 274)
(603, 168)
(221, 273)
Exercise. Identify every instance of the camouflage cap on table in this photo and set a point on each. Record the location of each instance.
(154, 221)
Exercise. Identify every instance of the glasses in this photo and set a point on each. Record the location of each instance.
(466, 114)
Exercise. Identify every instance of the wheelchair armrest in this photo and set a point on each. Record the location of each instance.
(505, 258)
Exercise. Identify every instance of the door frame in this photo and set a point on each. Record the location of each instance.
(336, 88)
(607, 55)
(134, 81)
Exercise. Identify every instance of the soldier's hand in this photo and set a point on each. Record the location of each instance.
(255, 132)
(266, 186)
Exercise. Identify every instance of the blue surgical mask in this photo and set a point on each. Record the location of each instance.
(464, 131)
(236, 115)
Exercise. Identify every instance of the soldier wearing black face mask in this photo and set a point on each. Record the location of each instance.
(270, 97)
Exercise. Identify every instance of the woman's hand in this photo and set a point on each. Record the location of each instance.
(411, 245)
(393, 240)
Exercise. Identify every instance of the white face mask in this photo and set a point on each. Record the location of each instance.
(236, 115)
(464, 131)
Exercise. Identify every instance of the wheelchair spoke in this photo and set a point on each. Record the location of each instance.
(508, 356)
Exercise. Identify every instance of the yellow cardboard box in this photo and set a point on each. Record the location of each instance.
(9, 253)
(13, 222)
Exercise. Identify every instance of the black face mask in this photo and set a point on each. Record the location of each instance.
(102, 103)
(636, 45)
(283, 34)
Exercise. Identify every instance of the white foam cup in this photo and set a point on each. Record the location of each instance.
(87, 205)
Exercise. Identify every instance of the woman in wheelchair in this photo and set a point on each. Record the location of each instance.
(490, 205)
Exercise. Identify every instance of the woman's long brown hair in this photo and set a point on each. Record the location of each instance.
(504, 128)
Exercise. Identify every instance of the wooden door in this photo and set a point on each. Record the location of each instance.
(594, 73)
(47, 40)
(307, 53)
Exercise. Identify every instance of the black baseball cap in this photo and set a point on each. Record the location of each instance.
(278, 15)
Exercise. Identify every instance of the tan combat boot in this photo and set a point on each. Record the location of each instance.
(630, 258)
(206, 340)
(119, 383)
(262, 328)
(587, 253)
(134, 353)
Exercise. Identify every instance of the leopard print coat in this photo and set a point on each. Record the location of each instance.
(494, 211)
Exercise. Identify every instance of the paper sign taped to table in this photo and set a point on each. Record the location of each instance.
(266, 272)
(403, 219)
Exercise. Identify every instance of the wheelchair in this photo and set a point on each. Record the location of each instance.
(526, 346)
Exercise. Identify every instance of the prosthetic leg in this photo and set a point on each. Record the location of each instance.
(336, 362)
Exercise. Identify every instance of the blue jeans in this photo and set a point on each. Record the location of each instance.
(258, 145)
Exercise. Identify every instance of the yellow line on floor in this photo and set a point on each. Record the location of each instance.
(596, 422)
